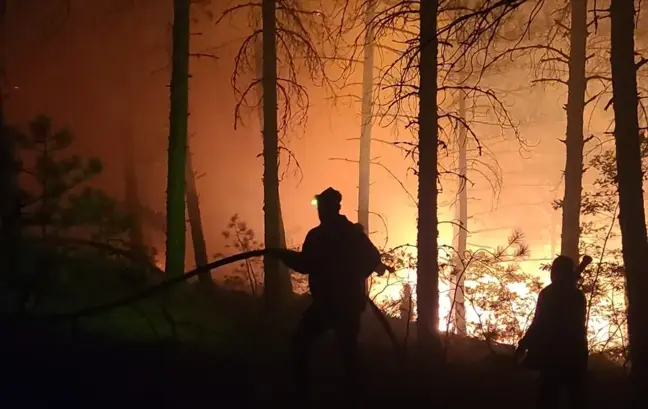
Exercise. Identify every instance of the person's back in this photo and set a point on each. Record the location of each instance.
(338, 257)
(556, 341)
(560, 331)
(341, 258)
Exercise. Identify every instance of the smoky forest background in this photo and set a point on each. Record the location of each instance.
(143, 142)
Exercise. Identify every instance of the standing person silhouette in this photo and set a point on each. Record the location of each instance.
(338, 257)
(556, 341)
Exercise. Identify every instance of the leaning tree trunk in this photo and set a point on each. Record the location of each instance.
(195, 223)
(283, 270)
(277, 285)
(458, 299)
(366, 118)
(632, 218)
(569, 244)
(427, 285)
(178, 122)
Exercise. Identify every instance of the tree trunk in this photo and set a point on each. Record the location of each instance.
(178, 122)
(427, 229)
(283, 270)
(569, 243)
(366, 118)
(277, 285)
(133, 203)
(632, 218)
(195, 223)
(10, 226)
(458, 299)
(132, 199)
(129, 107)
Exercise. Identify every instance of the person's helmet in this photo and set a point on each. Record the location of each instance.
(328, 198)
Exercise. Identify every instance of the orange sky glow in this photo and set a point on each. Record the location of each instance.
(74, 77)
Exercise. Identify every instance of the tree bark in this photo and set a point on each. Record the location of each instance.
(10, 223)
(427, 229)
(458, 299)
(129, 107)
(366, 118)
(178, 123)
(284, 272)
(277, 285)
(195, 222)
(133, 203)
(571, 207)
(632, 218)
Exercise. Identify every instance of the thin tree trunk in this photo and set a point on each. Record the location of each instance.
(133, 203)
(277, 285)
(569, 244)
(366, 118)
(632, 218)
(178, 122)
(10, 223)
(283, 270)
(458, 299)
(132, 200)
(195, 223)
(129, 107)
(427, 229)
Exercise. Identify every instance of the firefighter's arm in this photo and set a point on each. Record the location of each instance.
(291, 258)
(295, 260)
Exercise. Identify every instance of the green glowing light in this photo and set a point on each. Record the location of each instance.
(314, 201)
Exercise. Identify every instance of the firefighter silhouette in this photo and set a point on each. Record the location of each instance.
(556, 342)
(338, 257)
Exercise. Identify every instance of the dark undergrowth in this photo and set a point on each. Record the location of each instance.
(233, 357)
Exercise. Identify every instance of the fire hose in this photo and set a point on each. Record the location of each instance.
(287, 256)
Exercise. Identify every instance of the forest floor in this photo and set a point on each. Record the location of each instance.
(249, 369)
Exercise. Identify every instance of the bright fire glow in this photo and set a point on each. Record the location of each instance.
(387, 292)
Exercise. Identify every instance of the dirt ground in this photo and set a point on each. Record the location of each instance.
(41, 370)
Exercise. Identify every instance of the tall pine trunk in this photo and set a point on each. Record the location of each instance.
(277, 285)
(178, 122)
(366, 118)
(127, 103)
(133, 202)
(632, 218)
(458, 299)
(283, 270)
(10, 226)
(427, 285)
(195, 223)
(129, 108)
(569, 244)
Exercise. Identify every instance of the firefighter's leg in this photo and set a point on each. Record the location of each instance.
(577, 390)
(313, 324)
(549, 389)
(347, 329)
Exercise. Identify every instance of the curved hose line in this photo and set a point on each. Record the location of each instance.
(102, 308)
(99, 309)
